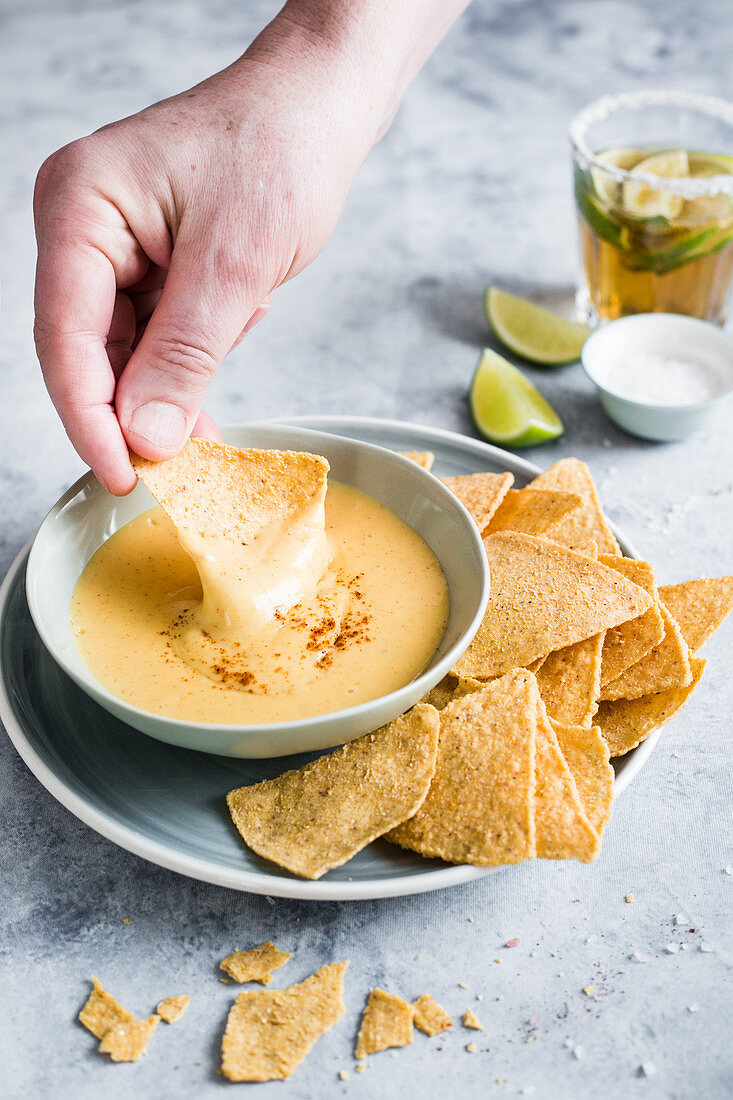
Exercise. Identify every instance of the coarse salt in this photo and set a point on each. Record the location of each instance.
(660, 379)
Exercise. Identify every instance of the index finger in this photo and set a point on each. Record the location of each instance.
(75, 297)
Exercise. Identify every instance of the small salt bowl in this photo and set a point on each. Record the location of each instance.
(660, 376)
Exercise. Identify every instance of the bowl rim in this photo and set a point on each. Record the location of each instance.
(96, 689)
(657, 319)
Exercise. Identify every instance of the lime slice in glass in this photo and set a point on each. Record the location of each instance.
(533, 332)
(506, 407)
(644, 201)
(608, 189)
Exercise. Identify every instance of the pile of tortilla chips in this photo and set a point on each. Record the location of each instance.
(578, 659)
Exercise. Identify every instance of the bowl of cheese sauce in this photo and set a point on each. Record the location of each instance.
(311, 633)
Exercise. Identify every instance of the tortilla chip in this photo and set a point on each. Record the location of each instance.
(480, 806)
(570, 475)
(318, 817)
(533, 666)
(449, 688)
(127, 1042)
(569, 680)
(422, 458)
(471, 1020)
(627, 643)
(586, 754)
(172, 1008)
(386, 1022)
(563, 830)
(102, 1012)
(543, 597)
(430, 1017)
(666, 665)
(627, 722)
(270, 1031)
(698, 607)
(534, 511)
(255, 965)
(480, 494)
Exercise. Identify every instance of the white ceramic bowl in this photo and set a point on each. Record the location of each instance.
(672, 336)
(86, 515)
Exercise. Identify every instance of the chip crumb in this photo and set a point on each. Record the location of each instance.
(479, 996)
(361, 1067)
(343, 1075)
(102, 1011)
(224, 981)
(472, 1021)
(128, 1041)
(471, 1048)
(172, 1008)
(629, 898)
(589, 990)
(386, 1022)
(462, 985)
(255, 965)
(430, 1017)
(512, 942)
(126, 920)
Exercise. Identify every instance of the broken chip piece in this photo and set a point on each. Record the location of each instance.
(430, 1017)
(666, 665)
(543, 597)
(698, 607)
(102, 1012)
(128, 1041)
(270, 1031)
(480, 494)
(625, 723)
(534, 511)
(480, 806)
(255, 965)
(319, 816)
(471, 1020)
(386, 1022)
(172, 1008)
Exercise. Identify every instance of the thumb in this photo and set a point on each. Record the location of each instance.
(201, 311)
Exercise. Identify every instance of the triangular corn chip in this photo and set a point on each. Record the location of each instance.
(543, 597)
(534, 512)
(627, 722)
(386, 1022)
(449, 688)
(318, 817)
(569, 680)
(562, 828)
(270, 1031)
(699, 607)
(627, 643)
(570, 475)
(480, 806)
(422, 458)
(480, 494)
(586, 754)
(666, 665)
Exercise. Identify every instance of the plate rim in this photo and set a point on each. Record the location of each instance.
(250, 881)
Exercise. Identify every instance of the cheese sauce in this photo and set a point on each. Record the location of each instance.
(370, 626)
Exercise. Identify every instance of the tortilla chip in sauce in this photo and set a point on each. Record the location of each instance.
(480, 806)
(430, 1017)
(270, 1031)
(569, 680)
(255, 965)
(543, 597)
(562, 828)
(666, 665)
(698, 607)
(480, 494)
(586, 754)
(534, 511)
(625, 723)
(319, 816)
(570, 475)
(627, 643)
(386, 1022)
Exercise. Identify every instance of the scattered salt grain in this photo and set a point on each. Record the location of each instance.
(681, 919)
(579, 1053)
(693, 1008)
(638, 956)
(728, 870)
(568, 1043)
(592, 939)
(647, 1069)
(672, 948)
(706, 947)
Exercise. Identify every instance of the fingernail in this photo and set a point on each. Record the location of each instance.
(160, 423)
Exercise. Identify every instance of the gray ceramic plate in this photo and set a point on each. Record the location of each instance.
(166, 804)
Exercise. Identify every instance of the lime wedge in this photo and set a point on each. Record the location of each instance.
(506, 407)
(644, 201)
(533, 332)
